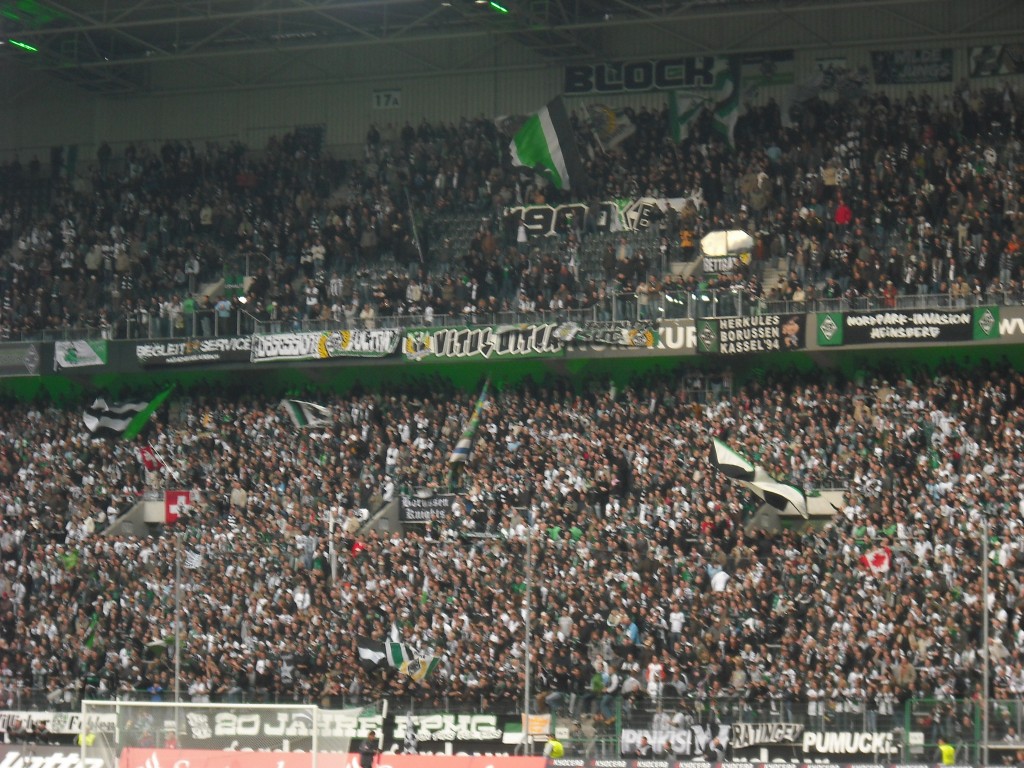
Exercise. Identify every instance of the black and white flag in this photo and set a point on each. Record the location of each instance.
(781, 496)
(193, 559)
(730, 463)
(409, 745)
(111, 418)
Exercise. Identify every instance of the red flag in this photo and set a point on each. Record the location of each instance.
(176, 504)
(357, 547)
(878, 560)
(149, 458)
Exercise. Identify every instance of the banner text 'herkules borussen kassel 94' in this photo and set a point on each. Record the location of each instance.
(750, 335)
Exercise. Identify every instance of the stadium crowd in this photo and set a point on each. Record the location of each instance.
(649, 591)
(863, 197)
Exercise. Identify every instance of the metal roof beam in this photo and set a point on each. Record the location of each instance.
(659, 20)
(91, 25)
(929, 28)
(759, 32)
(128, 11)
(989, 14)
(115, 29)
(793, 18)
(322, 12)
(569, 41)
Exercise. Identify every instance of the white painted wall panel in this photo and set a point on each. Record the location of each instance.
(832, 26)
(480, 80)
(481, 76)
(40, 113)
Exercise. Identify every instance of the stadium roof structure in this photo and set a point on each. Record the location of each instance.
(108, 46)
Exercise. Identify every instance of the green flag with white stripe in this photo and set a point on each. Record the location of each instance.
(396, 654)
(545, 142)
(721, 99)
(683, 110)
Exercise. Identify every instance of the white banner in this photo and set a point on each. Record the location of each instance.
(79, 354)
(685, 741)
(850, 743)
(623, 215)
(39, 756)
(58, 723)
(750, 734)
(322, 345)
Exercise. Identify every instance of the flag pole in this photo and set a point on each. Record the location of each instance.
(165, 466)
(330, 545)
(984, 637)
(528, 744)
(177, 632)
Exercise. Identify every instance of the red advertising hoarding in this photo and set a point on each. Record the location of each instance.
(209, 758)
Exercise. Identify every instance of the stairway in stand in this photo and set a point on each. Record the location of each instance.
(770, 276)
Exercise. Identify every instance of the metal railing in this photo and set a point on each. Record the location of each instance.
(199, 324)
(603, 725)
(631, 307)
(618, 307)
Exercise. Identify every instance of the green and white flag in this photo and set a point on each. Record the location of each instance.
(375, 655)
(79, 354)
(684, 108)
(464, 447)
(721, 100)
(141, 419)
(90, 632)
(125, 420)
(305, 415)
(545, 142)
(396, 655)
(727, 103)
(611, 126)
(419, 669)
